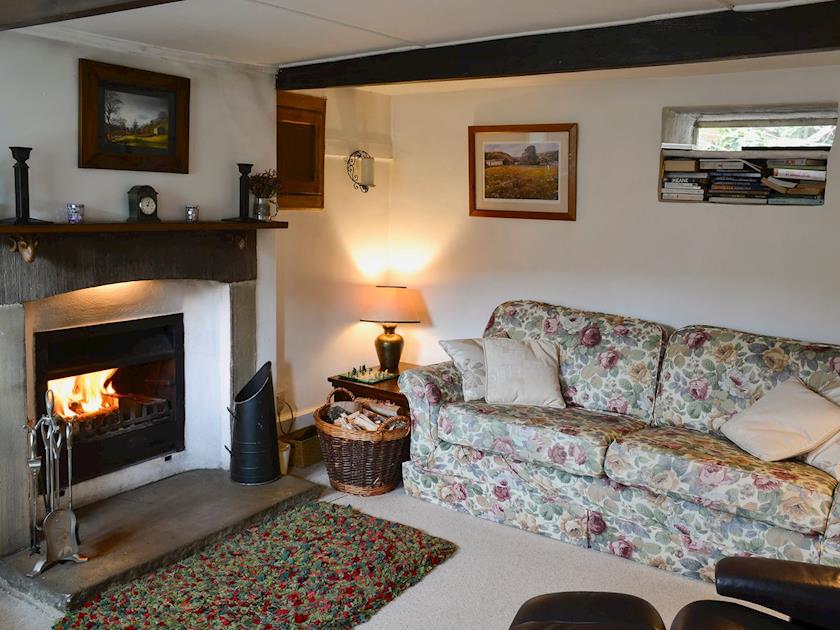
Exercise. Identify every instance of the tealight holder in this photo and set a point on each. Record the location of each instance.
(75, 213)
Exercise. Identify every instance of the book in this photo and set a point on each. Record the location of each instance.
(684, 191)
(680, 165)
(686, 185)
(745, 200)
(796, 201)
(722, 165)
(799, 173)
(748, 174)
(675, 176)
(787, 162)
(778, 182)
(739, 191)
(806, 187)
(680, 196)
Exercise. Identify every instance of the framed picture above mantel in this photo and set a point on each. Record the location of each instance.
(523, 171)
(133, 120)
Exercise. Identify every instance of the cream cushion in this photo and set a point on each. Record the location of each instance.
(789, 420)
(827, 456)
(468, 357)
(523, 373)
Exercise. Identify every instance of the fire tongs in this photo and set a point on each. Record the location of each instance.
(59, 526)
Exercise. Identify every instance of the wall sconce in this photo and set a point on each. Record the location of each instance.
(360, 169)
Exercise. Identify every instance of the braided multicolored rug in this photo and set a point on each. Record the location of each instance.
(317, 566)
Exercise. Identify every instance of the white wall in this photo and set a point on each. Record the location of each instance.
(232, 119)
(331, 255)
(760, 268)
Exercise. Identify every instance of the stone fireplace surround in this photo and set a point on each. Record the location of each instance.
(90, 279)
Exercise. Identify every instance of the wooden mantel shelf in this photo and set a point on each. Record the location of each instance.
(24, 239)
(163, 226)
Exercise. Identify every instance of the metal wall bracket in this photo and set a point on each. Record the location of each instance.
(351, 169)
(25, 245)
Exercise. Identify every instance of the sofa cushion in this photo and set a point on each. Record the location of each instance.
(790, 420)
(574, 440)
(710, 374)
(468, 356)
(709, 470)
(607, 362)
(523, 373)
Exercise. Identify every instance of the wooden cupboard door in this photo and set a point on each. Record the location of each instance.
(300, 150)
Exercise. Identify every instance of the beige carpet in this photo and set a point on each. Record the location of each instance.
(495, 570)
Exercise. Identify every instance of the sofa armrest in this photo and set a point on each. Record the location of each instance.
(809, 593)
(832, 529)
(427, 390)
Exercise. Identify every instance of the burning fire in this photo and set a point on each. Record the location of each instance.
(85, 394)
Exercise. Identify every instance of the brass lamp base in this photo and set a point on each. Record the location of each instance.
(389, 347)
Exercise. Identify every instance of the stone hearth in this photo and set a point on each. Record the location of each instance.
(138, 531)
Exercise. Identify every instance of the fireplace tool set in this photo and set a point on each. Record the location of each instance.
(58, 530)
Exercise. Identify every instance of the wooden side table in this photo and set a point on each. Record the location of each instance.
(384, 390)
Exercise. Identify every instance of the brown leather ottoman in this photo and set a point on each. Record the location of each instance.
(592, 611)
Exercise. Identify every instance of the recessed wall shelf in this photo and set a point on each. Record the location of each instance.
(790, 177)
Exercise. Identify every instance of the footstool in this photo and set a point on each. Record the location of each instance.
(592, 611)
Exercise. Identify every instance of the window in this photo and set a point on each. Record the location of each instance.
(746, 128)
(757, 134)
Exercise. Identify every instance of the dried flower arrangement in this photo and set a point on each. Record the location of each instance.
(265, 185)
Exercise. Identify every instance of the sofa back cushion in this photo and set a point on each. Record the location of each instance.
(607, 362)
(709, 374)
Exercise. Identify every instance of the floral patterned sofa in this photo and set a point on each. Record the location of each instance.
(635, 465)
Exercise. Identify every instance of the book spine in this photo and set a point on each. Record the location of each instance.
(796, 201)
(794, 162)
(721, 166)
(683, 196)
(745, 200)
(678, 175)
(799, 173)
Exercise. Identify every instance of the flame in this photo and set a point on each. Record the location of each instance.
(84, 394)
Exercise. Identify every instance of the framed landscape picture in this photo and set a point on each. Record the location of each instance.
(133, 119)
(523, 171)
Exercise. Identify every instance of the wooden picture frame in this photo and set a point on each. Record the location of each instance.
(301, 146)
(533, 168)
(133, 120)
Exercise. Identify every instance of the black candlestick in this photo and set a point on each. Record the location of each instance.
(21, 154)
(244, 194)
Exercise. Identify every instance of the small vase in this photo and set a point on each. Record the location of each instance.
(262, 209)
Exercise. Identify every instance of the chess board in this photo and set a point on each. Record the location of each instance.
(368, 377)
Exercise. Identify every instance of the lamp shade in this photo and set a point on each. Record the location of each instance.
(390, 304)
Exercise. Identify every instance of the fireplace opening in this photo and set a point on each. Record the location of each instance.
(121, 386)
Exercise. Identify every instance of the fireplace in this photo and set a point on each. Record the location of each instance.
(122, 387)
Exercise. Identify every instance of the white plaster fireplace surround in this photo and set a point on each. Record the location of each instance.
(95, 280)
(207, 359)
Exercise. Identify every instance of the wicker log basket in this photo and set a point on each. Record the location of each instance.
(365, 463)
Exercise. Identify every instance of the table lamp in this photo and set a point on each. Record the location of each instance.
(390, 305)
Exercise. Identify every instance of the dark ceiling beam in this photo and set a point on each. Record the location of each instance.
(706, 37)
(20, 13)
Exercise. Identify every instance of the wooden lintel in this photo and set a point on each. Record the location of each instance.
(707, 37)
(21, 13)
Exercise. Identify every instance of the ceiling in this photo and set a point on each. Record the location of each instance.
(283, 32)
